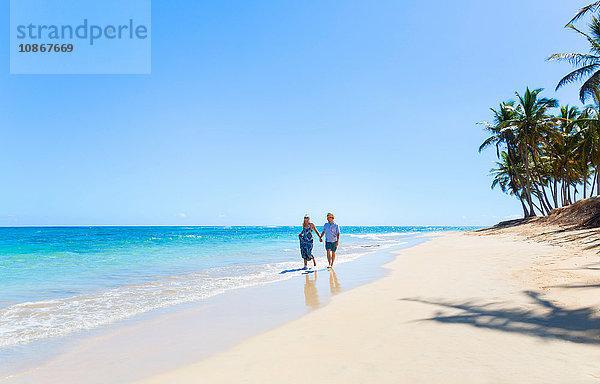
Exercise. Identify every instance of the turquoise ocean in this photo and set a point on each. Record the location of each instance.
(58, 280)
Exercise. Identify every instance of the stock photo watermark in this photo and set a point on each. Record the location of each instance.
(80, 37)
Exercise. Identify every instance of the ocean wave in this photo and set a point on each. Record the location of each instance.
(380, 236)
(71, 309)
(26, 322)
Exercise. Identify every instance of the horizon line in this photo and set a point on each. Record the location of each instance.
(208, 225)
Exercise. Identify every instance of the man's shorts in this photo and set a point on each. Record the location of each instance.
(331, 246)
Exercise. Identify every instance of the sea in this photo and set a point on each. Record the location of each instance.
(56, 281)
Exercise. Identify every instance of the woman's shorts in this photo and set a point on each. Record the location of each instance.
(306, 251)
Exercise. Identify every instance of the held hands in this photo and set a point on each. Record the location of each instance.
(321, 239)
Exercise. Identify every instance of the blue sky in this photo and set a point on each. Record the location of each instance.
(258, 112)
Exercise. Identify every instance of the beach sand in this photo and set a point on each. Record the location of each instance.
(506, 306)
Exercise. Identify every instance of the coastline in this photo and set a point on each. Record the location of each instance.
(463, 307)
(162, 340)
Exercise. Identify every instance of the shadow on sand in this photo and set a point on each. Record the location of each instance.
(291, 270)
(545, 320)
(505, 224)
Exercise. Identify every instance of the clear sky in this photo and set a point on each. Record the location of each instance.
(257, 112)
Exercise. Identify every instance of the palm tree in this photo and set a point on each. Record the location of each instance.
(561, 153)
(588, 65)
(502, 135)
(506, 177)
(589, 129)
(539, 152)
(583, 144)
(531, 126)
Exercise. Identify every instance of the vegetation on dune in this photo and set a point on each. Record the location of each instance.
(551, 159)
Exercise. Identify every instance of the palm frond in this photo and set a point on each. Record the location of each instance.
(595, 45)
(577, 75)
(583, 11)
(589, 87)
(489, 141)
(575, 59)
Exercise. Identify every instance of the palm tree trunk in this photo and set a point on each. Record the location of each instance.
(541, 195)
(594, 183)
(538, 208)
(511, 154)
(541, 191)
(541, 200)
(598, 179)
(555, 192)
(548, 204)
(528, 183)
(585, 180)
(568, 190)
(525, 213)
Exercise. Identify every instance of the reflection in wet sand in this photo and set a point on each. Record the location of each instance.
(334, 284)
(311, 296)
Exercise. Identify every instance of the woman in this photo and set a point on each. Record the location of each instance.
(306, 240)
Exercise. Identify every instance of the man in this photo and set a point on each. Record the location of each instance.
(332, 238)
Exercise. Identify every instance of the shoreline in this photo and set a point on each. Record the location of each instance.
(168, 338)
(462, 307)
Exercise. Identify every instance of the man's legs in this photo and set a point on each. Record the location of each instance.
(332, 258)
(328, 257)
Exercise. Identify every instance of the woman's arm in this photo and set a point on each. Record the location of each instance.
(316, 231)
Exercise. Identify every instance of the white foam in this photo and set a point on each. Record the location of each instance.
(26, 322)
(381, 236)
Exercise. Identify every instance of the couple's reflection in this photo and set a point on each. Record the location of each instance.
(334, 284)
(311, 295)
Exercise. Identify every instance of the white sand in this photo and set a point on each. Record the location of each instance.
(458, 309)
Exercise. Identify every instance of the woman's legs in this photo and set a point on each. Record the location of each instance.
(306, 251)
(304, 254)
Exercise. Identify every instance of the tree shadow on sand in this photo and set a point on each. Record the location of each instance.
(545, 320)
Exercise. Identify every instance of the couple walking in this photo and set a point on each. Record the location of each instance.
(331, 231)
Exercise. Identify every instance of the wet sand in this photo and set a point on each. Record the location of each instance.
(462, 308)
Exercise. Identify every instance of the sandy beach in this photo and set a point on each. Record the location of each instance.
(268, 192)
(508, 305)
